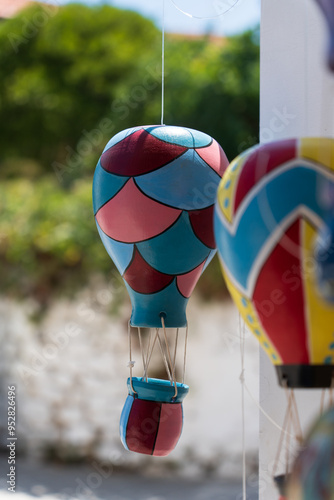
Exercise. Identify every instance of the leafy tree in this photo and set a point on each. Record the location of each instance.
(60, 73)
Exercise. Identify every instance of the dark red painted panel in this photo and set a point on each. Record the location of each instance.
(170, 428)
(138, 154)
(142, 427)
(264, 159)
(187, 282)
(143, 278)
(202, 224)
(279, 298)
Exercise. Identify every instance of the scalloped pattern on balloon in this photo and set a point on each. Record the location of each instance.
(153, 192)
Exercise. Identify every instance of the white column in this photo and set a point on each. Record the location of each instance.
(296, 99)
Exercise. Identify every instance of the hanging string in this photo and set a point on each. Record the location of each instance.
(169, 356)
(149, 355)
(163, 64)
(141, 347)
(322, 401)
(285, 430)
(306, 63)
(131, 363)
(175, 347)
(287, 449)
(165, 359)
(192, 16)
(185, 355)
(242, 380)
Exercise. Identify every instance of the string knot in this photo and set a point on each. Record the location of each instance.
(131, 364)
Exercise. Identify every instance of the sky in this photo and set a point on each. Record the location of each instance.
(220, 17)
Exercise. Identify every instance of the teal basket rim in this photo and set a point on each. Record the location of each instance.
(159, 390)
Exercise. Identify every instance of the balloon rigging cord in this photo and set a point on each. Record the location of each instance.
(242, 380)
(306, 62)
(185, 355)
(291, 419)
(163, 64)
(323, 396)
(146, 353)
(131, 363)
(169, 356)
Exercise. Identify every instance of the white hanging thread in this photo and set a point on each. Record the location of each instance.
(185, 355)
(170, 364)
(242, 380)
(131, 363)
(163, 64)
(169, 356)
(306, 62)
(217, 3)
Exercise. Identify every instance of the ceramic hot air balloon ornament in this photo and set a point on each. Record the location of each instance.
(153, 194)
(268, 214)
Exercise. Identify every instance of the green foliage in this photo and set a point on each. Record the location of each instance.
(72, 77)
(60, 77)
(48, 237)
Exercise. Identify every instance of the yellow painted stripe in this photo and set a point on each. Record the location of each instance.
(318, 149)
(250, 316)
(319, 313)
(228, 186)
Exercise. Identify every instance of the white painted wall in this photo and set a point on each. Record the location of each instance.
(297, 98)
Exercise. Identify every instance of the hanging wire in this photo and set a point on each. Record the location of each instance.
(242, 380)
(188, 14)
(131, 363)
(175, 347)
(169, 356)
(185, 355)
(150, 355)
(163, 64)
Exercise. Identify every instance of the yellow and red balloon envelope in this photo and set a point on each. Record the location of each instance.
(268, 213)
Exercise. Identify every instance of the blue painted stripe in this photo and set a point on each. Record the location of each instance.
(120, 253)
(265, 212)
(147, 308)
(186, 137)
(177, 250)
(123, 423)
(105, 186)
(187, 183)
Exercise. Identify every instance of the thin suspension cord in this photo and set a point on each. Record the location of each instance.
(169, 356)
(150, 356)
(141, 348)
(242, 380)
(296, 419)
(285, 431)
(322, 401)
(306, 62)
(163, 64)
(131, 363)
(175, 347)
(147, 355)
(165, 359)
(185, 355)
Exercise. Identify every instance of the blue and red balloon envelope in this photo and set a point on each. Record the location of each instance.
(153, 195)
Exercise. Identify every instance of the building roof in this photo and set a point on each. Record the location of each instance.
(9, 8)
